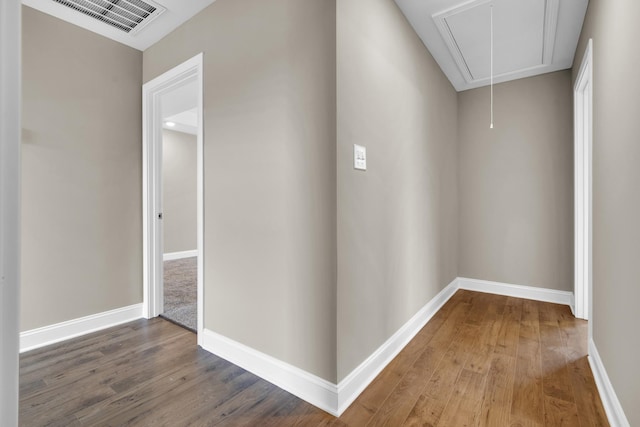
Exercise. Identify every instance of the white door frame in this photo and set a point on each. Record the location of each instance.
(10, 128)
(152, 92)
(583, 161)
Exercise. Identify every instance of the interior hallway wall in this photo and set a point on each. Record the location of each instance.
(516, 182)
(10, 127)
(81, 172)
(270, 172)
(179, 191)
(397, 222)
(613, 25)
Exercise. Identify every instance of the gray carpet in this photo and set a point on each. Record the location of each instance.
(180, 294)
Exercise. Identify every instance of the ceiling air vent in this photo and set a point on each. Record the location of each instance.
(129, 16)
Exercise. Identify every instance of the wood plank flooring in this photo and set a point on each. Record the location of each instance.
(483, 360)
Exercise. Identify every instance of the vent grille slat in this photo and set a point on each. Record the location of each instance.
(106, 5)
(124, 15)
(118, 18)
(142, 6)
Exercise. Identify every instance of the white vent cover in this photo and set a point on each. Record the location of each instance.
(129, 16)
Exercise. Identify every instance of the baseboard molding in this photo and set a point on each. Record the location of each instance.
(335, 399)
(518, 291)
(360, 378)
(332, 398)
(171, 256)
(610, 401)
(306, 386)
(36, 338)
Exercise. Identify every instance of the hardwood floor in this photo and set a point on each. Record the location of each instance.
(483, 360)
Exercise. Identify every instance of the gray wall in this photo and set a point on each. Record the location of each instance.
(269, 117)
(397, 222)
(10, 23)
(306, 259)
(81, 173)
(179, 191)
(613, 25)
(516, 183)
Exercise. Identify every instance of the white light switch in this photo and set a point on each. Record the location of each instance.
(359, 157)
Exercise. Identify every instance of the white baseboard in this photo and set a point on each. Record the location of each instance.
(518, 291)
(360, 378)
(572, 306)
(306, 386)
(36, 338)
(335, 399)
(610, 401)
(171, 256)
(332, 398)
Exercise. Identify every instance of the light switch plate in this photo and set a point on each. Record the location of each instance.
(359, 157)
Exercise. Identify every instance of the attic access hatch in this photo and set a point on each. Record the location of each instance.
(530, 37)
(129, 16)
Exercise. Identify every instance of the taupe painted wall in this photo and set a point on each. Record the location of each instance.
(613, 25)
(516, 182)
(397, 222)
(179, 191)
(10, 23)
(270, 172)
(306, 259)
(81, 173)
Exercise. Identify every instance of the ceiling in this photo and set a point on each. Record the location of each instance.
(181, 98)
(179, 107)
(531, 37)
(167, 16)
(186, 122)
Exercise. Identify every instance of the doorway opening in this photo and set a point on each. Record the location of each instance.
(173, 198)
(583, 150)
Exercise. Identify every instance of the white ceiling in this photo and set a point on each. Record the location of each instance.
(179, 99)
(179, 106)
(176, 13)
(186, 122)
(531, 37)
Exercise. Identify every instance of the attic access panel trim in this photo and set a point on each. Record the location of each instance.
(463, 30)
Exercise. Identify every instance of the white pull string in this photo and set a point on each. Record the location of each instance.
(491, 125)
